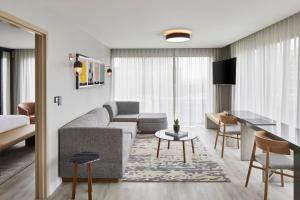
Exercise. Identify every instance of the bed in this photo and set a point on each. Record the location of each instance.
(15, 129)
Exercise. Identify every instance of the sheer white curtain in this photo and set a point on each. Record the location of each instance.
(145, 76)
(268, 72)
(194, 87)
(151, 76)
(24, 76)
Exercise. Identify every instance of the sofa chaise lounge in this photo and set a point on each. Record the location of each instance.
(128, 111)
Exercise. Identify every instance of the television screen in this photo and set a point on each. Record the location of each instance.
(224, 72)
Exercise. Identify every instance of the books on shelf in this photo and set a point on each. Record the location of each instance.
(180, 134)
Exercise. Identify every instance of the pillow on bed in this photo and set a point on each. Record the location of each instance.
(9, 122)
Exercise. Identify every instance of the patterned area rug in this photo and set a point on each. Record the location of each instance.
(143, 166)
(14, 160)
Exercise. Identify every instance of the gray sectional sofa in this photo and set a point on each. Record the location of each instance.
(111, 135)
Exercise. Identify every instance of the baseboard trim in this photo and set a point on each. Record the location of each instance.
(95, 180)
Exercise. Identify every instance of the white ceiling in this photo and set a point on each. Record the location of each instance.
(139, 23)
(15, 38)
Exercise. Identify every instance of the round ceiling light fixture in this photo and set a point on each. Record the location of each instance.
(177, 35)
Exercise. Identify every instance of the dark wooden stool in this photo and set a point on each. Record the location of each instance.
(79, 159)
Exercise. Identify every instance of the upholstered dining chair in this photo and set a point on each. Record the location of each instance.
(276, 156)
(28, 109)
(227, 128)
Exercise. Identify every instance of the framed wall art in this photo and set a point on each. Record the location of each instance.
(92, 72)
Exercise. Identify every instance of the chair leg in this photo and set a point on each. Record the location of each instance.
(238, 141)
(266, 183)
(75, 169)
(282, 180)
(216, 139)
(249, 172)
(223, 144)
(250, 164)
(267, 175)
(91, 177)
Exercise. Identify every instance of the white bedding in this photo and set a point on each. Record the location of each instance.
(8, 122)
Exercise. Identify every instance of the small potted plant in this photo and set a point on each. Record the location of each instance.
(176, 126)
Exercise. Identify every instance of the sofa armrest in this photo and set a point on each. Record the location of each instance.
(108, 142)
(128, 107)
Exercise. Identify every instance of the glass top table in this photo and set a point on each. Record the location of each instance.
(161, 135)
(276, 129)
(252, 118)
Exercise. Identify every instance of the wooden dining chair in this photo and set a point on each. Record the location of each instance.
(275, 158)
(228, 128)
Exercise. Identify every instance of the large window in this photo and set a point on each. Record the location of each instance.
(178, 85)
(268, 72)
(147, 80)
(193, 89)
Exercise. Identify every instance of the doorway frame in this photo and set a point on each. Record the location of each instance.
(41, 35)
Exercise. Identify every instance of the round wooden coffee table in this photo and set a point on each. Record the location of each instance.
(161, 135)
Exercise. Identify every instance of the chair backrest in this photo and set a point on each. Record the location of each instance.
(265, 143)
(26, 108)
(227, 119)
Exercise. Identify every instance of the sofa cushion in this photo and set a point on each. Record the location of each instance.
(87, 120)
(277, 161)
(152, 121)
(102, 115)
(126, 118)
(148, 126)
(128, 107)
(112, 109)
(128, 127)
(231, 129)
(152, 117)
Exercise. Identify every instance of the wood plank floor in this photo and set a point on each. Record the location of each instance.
(22, 185)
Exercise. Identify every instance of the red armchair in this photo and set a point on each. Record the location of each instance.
(28, 109)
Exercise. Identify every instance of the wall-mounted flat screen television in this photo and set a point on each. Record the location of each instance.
(224, 72)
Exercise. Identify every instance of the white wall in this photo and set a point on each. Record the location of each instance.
(63, 38)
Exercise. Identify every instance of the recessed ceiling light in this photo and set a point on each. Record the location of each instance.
(177, 35)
